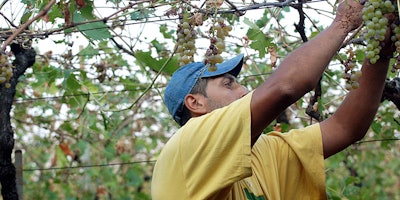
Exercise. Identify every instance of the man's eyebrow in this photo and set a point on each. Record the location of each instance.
(230, 77)
(227, 75)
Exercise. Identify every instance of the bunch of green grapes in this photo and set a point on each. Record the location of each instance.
(5, 71)
(375, 23)
(218, 31)
(186, 36)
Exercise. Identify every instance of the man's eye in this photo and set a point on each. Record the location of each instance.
(228, 84)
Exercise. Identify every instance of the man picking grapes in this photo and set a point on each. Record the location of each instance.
(220, 153)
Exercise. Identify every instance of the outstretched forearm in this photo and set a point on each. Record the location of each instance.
(351, 121)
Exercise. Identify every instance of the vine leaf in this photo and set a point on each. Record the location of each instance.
(93, 30)
(145, 59)
(260, 41)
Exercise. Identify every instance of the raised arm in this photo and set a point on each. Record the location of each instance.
(300, 71)
(351, 121)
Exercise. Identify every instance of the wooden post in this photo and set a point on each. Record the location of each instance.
(19, 176)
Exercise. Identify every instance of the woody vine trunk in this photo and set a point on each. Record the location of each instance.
(24, 58)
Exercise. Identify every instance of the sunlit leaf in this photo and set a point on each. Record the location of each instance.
(259, 40)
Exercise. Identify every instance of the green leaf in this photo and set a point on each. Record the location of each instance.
(25, 17)
(260, 41)
(134, 176)
(142, 14)
(313, 34)
(68, 128)
(286, 9)
(263, 20)
(89, 51)
(70, 82)
(145, 59)
(104, 120)
(87, 11)
(92, 30)
(351, 180)
(376, 127)
(250, 24)
(165, 32)
(28, 2)
(55, 13)
(159, 47)
(320, 105)
(114, 1)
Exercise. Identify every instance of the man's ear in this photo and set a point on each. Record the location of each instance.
(196, 104)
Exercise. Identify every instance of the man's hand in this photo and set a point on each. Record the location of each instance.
(349, 14)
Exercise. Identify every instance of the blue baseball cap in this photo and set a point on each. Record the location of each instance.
(184, 79)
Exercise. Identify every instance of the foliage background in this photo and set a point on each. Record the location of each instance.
(89, 117)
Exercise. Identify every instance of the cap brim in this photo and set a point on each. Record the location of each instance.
(231, 66)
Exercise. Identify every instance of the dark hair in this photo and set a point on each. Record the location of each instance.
(198, 88)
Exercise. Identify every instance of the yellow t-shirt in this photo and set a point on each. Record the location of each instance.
(211, 158)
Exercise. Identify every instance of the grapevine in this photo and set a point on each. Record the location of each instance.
(5, 71)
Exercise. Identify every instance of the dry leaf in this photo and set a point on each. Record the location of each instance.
(80, 3)
(214, 3)
(67, 16)
(273, 56)
(198, 19)
(65, 148)
(246, 41)
(46, 18)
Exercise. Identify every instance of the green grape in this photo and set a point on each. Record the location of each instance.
(358, 73)
(355, 85)
(212, 68)
(2, 79)
(354, 77)
(220, 45)
(351, 65)
(348, 86)
(185, 25)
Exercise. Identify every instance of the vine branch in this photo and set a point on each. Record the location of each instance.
(26, 24)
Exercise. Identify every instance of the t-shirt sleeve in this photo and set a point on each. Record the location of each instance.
(216, 149)
(291, 164)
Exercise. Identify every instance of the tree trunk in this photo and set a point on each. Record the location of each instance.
(24, 58)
